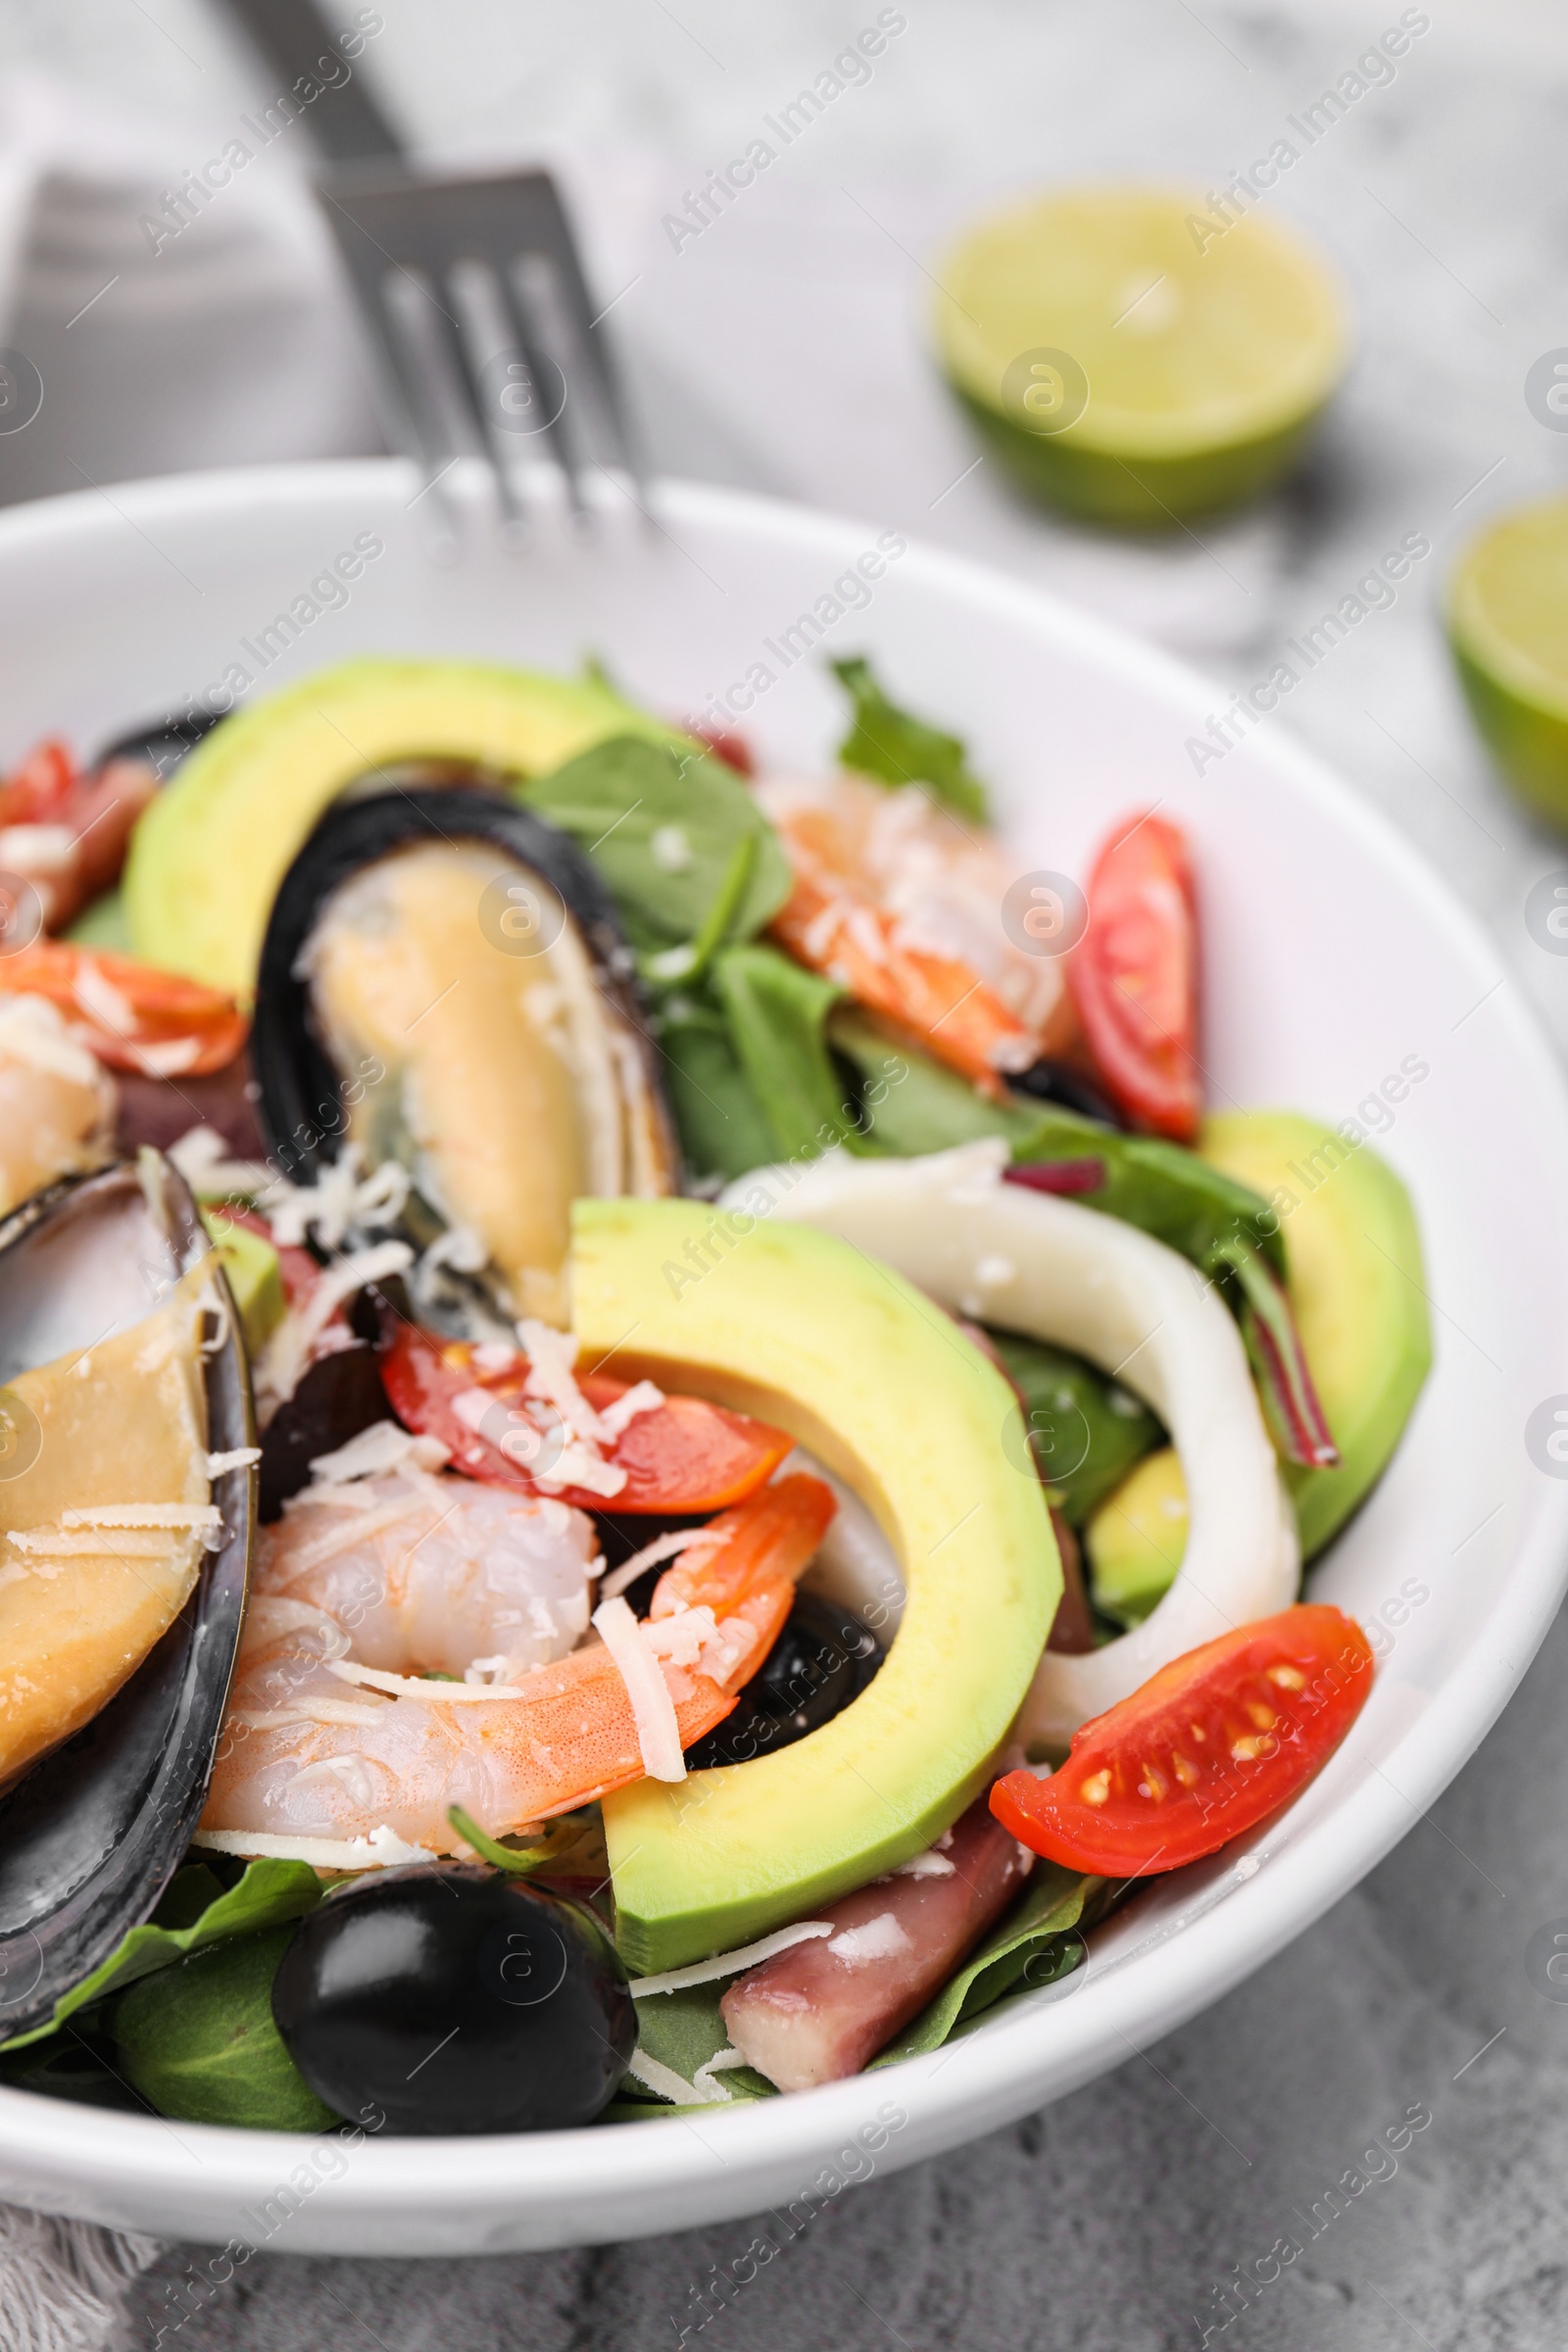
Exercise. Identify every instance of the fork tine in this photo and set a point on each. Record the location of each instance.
(455, 342)
(407, 410)
(563, 438)
(598, 353)
(493, 229)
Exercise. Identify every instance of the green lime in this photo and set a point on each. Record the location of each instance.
(1132, 356)
(1508, 627)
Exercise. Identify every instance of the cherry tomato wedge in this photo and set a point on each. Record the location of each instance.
(1210, 1745)
(685, 1455)
(134, 1017)
(1134, 976)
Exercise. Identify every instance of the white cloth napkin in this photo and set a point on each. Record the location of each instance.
(61, 2282)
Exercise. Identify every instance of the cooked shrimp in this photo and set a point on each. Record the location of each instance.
(902, 904)
(315, 1750)
(427, 1575)
(56, 1106)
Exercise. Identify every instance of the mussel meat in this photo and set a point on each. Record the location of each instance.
(126, 1503)
(444, 983)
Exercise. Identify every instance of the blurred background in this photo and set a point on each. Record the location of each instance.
(784, 346)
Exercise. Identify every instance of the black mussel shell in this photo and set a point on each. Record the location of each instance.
(92, 1833)
(456, 1999)
(1049, 1081)
(161, 744)
(825, 1657)
(301, 1111)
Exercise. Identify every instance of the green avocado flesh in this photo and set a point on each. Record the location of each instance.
(255, 1276)
(792, 1324)
(208, 857)
(1358, 1287)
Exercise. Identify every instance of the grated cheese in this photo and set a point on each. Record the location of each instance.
(618, 1418)
(702, 2076)
(239, 1458)
(194, 1516)
(881, 1939)
(288, 1353)
(551, 1357)
(383, 1850)
(132, 1544)
(731, 1964)
(657, 2075)
(663, 1548)
(382, 1446)
(652, 1709)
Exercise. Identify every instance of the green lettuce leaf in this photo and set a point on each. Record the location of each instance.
(1040, 1941)
(683, 2031)
(662, 826)
(197, 1910)
(1086, 1432)
(198, 2040)
(723, 1127)
(896, 748)
(776, 1012)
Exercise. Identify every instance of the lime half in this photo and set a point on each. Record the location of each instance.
(1135, 359)
(1508, 627)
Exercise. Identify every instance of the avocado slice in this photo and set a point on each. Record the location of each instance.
(1136, 1539)
(207, 857)
(1358, 1287)
(255, 1277)
(782, 1320)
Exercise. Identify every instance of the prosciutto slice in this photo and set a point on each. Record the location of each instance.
(821, 2010)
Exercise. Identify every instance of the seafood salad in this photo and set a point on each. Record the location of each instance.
(650, 1447)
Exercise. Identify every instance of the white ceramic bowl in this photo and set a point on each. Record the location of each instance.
(1331, 956)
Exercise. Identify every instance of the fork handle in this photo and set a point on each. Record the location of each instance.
(345, 121)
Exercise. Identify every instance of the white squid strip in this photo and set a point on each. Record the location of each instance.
(1039, 1264)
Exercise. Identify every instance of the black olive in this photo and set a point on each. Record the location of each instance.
(825, 1657)
(456, 1999)
(1049, 1081)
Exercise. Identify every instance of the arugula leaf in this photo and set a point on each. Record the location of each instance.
(190, 1917)
(777, 1013)
(662, 826)
(897, 748)
(199, 2042)
(1040, 1939)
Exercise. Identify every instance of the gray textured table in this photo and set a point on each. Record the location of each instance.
(782, 348)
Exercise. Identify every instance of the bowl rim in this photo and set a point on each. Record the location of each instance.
(605, 2184)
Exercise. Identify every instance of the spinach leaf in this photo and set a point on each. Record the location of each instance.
(1085, 1432)
(197, 1911)
(723, 1127)
(198, 2040)
(662, 825)
(921, 1106)
(888, 743)
(1165, 1190)
(1040, 1941)
(776, 1012)
(683, 2031)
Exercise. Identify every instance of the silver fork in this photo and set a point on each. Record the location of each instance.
(479, 315)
